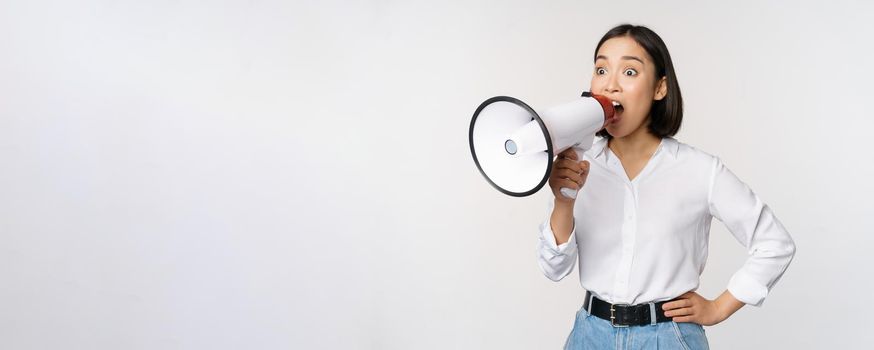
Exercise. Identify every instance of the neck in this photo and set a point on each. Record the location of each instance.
(640, 143)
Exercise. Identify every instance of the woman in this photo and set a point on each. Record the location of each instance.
(640, 222)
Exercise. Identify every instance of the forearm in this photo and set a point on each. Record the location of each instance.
(727, 304)
(562, 221)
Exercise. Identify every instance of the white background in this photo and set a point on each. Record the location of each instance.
(296, 175)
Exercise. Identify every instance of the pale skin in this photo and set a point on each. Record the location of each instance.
(624, 72)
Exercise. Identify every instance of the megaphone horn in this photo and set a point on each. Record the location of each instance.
(514, 147)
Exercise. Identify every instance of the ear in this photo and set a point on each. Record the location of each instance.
(661, 89)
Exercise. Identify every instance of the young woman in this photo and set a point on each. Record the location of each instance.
(641, 220)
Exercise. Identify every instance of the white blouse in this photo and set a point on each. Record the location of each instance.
(645, 240)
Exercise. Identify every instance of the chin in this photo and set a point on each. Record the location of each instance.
(616, 132)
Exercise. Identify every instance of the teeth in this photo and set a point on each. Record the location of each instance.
(616, 104)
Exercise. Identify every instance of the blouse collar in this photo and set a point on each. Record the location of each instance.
(669, 144)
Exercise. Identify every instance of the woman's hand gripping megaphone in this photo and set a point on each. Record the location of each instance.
(568, 175)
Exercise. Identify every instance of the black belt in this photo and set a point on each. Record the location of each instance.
(626, 315)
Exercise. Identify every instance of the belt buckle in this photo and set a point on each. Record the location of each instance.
(613, 316)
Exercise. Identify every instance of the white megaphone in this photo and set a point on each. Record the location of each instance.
(514, 147)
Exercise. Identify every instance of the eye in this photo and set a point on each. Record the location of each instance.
(630, 72)
(600, 71)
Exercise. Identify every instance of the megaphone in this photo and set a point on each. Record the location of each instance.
(513, 146)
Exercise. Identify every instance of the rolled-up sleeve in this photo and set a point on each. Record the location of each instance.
(556, 261)
(754, 225)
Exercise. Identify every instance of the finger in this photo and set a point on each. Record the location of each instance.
(568, 164)
(569, 184)
(570, 175)
(569, 153)
(683, 319)
(676, 304)
(686, 311)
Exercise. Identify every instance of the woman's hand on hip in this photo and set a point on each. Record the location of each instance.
(692, 307)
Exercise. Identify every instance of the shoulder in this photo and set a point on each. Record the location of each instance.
(694, 159)
(686, 152)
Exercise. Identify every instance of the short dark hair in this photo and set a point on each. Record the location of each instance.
(665, 115)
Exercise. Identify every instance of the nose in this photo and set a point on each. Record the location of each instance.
(612, 84)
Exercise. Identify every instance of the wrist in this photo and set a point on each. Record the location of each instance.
(566, 204)
(722, 312)
(727, 305)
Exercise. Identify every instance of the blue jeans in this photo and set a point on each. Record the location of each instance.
(591, 332)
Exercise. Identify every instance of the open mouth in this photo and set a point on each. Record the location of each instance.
(618, 107)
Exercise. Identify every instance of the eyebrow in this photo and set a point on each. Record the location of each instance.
(623, 57)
